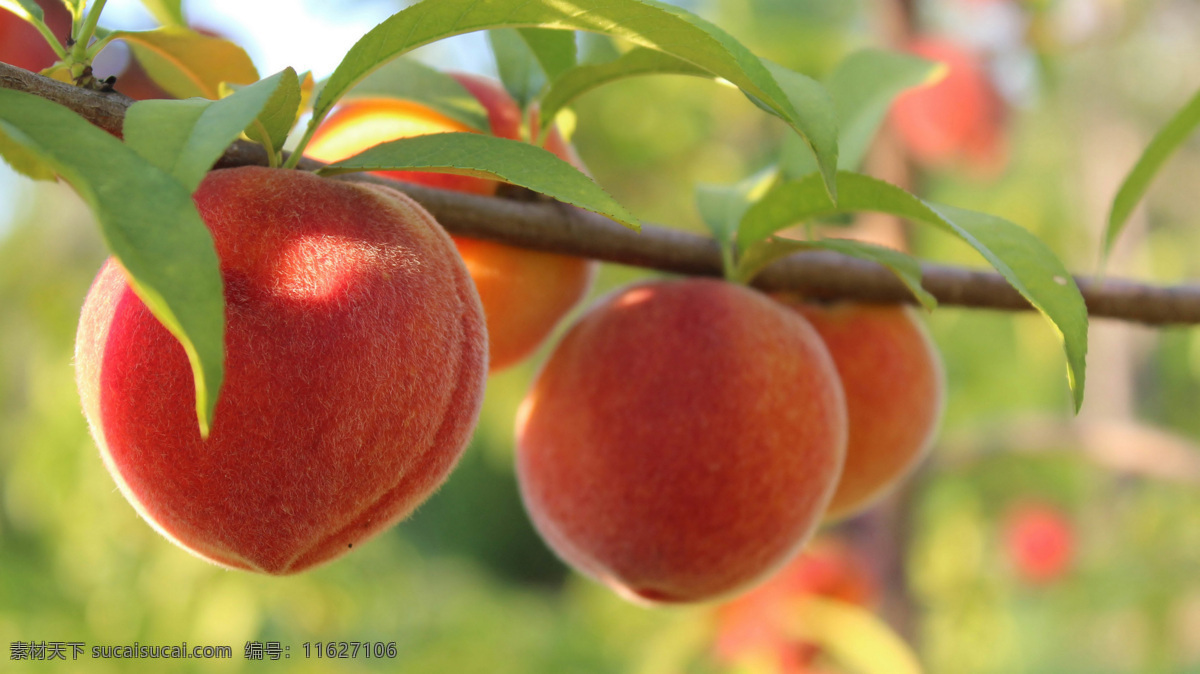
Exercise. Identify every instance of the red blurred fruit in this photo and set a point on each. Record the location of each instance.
(959, 121)
(1040, 540)
(23, 46)
(754, 624)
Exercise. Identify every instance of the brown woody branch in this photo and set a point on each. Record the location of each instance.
(550, 226)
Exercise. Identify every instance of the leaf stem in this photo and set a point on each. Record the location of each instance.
(55, 43)
(79, 57)
(298, 151)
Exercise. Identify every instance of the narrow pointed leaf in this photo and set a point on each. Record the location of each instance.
(553, 49)
(24, 161)
(633, 63)
(481, 156)
(1024, 261)
(645, 23)
(863, 87)
(1165, 142)
(519, 70)
(185, 138)
(149, 222)
(721, 207)
(26, 9)
(187, 63)
(276, 119)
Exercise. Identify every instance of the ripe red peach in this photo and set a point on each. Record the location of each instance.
(682, 441)
(894, 383)
(525, 293)
(957, 121)
(355, 366)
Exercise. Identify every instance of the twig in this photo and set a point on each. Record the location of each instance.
(544, 225)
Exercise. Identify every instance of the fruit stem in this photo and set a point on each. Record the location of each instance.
(298, 151)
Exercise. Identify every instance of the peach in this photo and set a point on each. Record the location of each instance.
(525, 293)
(755, 624)
(892, 376)
(682, 441)
(1040, 542)
(355, 367)
(23, 46)
(957, 121)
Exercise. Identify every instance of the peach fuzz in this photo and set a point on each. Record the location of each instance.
(682, 441)
(894, 383)
(355, 368)
(524, 292)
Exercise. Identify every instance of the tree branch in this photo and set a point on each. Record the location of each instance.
(541, 224)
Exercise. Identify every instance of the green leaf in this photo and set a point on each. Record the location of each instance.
(1165, 142)
(863, 87)
(633, 63)
(26, 9)
(186, 63)
(647, 23)
(1024, 261)
(278, 116)
(149, 222)
(595, 48)
(185, 138)
(167, 12)
(519, 71)
(553, 49)
(474, 154)
(821, 125)
(23, 160)
(903, 265)
(721, 207)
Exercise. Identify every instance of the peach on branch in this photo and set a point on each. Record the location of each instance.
(682, 441)
(355, 365)
(525, 293)
(892, 375)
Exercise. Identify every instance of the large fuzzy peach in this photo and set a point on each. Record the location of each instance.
(892, 375)
(355, 366)
(525, 293)
(682, 441)
(956, 121)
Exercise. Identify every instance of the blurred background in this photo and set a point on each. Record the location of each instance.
(1031, 541)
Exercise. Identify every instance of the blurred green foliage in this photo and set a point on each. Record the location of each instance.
(466, 586)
